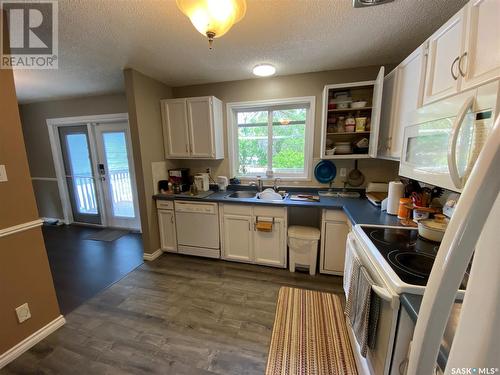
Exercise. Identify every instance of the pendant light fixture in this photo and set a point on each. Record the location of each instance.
(213, 18)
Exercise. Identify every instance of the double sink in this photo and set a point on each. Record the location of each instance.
(248, 194)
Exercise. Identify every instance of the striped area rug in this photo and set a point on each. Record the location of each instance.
(309, 335)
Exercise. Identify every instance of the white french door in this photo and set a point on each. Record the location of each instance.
(95, 171)
(116, 175)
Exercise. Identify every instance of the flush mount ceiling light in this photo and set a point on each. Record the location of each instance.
(264, 70)
(213, 18)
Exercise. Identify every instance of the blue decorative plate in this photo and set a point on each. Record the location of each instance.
(325, 171)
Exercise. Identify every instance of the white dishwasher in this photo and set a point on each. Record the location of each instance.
(197, 226)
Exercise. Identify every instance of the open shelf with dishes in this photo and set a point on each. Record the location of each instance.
(351, 115)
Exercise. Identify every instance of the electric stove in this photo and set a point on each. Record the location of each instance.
(410, 256)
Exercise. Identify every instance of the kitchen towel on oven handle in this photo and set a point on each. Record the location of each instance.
(362, 305)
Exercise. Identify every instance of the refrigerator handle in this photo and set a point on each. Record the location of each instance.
(452, 144)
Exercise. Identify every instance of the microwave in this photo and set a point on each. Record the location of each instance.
(444, 139)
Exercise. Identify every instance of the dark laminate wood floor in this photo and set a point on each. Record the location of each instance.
(176, 315)
(82, 268)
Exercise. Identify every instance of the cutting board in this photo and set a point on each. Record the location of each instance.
(376, 197)
(304, 197)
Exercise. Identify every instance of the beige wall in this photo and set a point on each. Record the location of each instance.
(24, 270)
(143, 97)
(309, 84)
(36, 137)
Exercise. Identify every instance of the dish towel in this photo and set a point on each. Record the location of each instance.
(352, 288)
(362, 306)
(347, 270)
(367, 308)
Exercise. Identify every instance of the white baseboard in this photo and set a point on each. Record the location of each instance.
(152, 256)
(31, 341)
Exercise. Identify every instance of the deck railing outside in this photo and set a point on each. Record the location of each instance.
(121, 193)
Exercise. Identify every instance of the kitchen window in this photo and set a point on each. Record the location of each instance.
(272, 138)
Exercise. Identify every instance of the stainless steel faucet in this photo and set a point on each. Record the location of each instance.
(259, 184)
(276, 186)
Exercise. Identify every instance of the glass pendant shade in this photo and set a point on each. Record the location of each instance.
(213, 18)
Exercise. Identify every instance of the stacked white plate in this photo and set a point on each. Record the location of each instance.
(343, 148)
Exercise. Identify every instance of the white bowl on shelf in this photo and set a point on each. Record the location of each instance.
(359, 104)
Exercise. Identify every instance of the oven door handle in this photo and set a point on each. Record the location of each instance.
(386, 296)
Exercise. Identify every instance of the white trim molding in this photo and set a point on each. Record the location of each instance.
(152, 256)
(31, 341)
(20, 227)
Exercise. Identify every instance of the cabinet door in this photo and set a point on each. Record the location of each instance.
(200, 117)
(408, 96)
(376, 110)
(481, 60)
(269, 247)
(445, 47)
(333, 247)
(175, 128)
(166, 222)
(237, 238)
(386, 114)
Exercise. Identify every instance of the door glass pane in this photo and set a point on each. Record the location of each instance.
(115, 149)
(81, 171)
(252, 142)
(289, 128)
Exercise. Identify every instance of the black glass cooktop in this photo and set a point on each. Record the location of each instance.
(409, 255)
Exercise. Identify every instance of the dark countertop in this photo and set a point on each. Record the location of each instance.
(411, 303)
(358, 210)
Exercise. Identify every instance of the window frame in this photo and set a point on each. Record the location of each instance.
(232, 121)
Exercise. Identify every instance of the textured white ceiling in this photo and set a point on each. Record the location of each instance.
(98, 38)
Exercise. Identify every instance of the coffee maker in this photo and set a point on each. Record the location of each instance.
(180, 177)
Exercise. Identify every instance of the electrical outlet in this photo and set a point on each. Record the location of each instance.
(3, 174)
(208, 170)
(23, 312)
(343, 172)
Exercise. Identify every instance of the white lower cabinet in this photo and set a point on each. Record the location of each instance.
(237, 238)
(334, 229)
(269, 247)
(166, 223)
(243, 242)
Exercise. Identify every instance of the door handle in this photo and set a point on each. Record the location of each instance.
(455, 77)
(462, 73)
(452, 145)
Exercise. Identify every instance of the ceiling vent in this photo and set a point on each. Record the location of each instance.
(368, 3)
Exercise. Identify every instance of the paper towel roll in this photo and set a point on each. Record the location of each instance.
(396, 191)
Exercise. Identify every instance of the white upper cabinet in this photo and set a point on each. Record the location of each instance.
(403, 93)
(192, 128)
(445, 48)
(481, 59)
(175, 128)
(378, 87)
(465, 51)
(347, 102)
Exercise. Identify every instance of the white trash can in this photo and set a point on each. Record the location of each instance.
(303, 247)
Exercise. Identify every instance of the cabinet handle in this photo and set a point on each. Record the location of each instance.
(462, 73)
(187, 149)
(455, 77)
(172, 219)
(249, 229)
